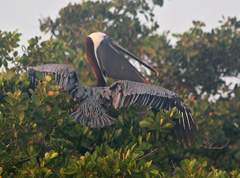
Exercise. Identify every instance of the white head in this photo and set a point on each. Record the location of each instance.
(97, 38)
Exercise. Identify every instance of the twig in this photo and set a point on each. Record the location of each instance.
(155, 150)
(212, 147)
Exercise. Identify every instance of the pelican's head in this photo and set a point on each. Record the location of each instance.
(97, 38)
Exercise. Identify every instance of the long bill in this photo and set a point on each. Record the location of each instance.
(133, 56)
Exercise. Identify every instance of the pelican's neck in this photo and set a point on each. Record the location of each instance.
(97, 38)
(91, 56)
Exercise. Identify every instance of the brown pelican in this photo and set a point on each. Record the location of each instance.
(109, 59)
(95, 104)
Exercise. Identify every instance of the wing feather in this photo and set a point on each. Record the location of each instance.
(65, 75)
(52, 68)
(153, 97)
(91, 113)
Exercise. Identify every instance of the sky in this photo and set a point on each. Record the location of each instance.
(175, 16)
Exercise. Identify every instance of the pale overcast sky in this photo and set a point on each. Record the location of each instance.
(175, 15)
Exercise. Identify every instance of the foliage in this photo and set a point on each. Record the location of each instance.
(200, 169)
(8, 44)
(38, 138)
(208, 57)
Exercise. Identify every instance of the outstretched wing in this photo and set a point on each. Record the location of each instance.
(91, 113)
(127, 93)
(114, 64)
(65, 75)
